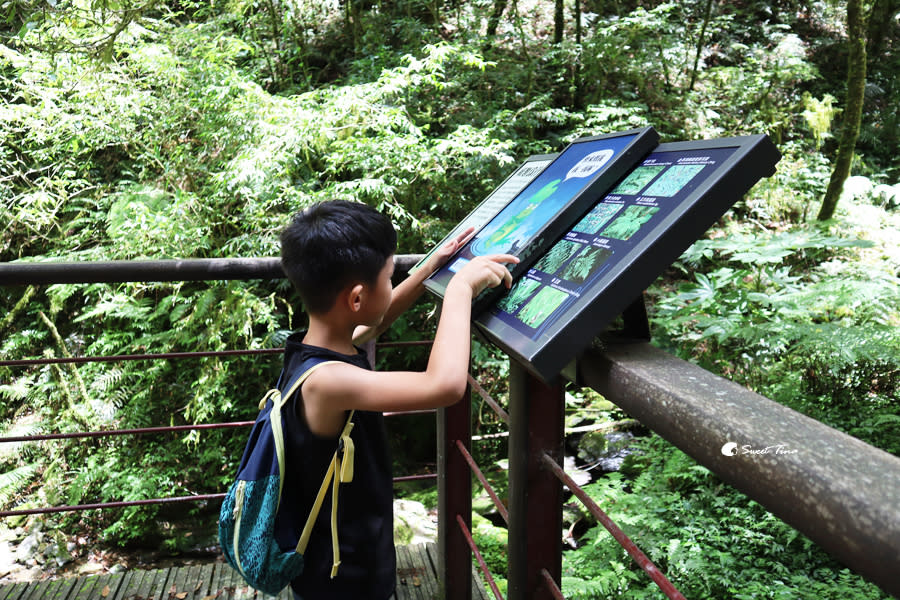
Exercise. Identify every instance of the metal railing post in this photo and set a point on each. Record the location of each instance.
(536, 426)
(454, 499)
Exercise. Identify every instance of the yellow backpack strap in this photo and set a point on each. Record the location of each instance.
(339, 471)
(343, 473)
(278, 401)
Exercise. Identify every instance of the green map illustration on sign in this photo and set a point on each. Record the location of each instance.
(506, 236)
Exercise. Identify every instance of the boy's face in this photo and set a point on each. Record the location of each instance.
(379, 295)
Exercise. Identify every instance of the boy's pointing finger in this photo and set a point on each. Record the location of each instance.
(503, 258)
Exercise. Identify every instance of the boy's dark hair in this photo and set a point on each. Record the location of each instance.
(332, 244)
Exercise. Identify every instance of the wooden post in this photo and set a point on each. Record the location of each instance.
(454, 498)
(536, 426)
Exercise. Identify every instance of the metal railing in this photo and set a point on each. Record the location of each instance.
(150, 430)
(856, 487)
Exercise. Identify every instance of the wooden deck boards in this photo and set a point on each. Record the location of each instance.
(416, 580)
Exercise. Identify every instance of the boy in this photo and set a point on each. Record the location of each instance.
(339, 256)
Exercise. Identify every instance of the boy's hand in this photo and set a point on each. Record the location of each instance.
(437, 260)
(484, 272)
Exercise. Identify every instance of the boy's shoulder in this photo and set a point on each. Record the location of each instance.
(299, 357)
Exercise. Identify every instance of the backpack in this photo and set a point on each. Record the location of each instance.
(247, 516)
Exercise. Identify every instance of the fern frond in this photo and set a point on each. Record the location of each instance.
(13, 482)
(106, 380)
(582, 589)
(12, 451)
(17, 390)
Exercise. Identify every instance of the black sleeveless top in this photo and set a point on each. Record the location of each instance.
(365, 505)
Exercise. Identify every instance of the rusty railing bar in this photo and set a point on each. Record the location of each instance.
(167, 429)
(551, 585)
(101, 505)
(27, 362)
(639, 557)
(115, 432)
(420, 411)
(126, 357)
(504, 416)
(192, 269)
(125, 504)
(481, 564)
(118, 271)
(405, 344)
(501, 508)
(422, 477)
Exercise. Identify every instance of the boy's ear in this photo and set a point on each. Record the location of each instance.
(355, 297)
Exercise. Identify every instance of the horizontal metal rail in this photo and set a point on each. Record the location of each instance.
(35, 362)
(32, 362)
(840, 492)
(118, 271)
(116, 432)
(418, 411)
(157, 501)
(102, 505)
(636, 553)
(40, 437)
(422, 477)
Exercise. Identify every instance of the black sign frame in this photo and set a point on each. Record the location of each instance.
(749, 158)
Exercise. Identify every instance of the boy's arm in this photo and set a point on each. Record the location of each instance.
(410, 289)
(340, 387)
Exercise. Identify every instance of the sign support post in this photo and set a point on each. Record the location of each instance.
(454, 498)
(537, 419)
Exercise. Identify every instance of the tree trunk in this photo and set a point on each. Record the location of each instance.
(700, 41)
(856, 87)
(881, 21)
(494, 19)
(559, 22)
(577, 100)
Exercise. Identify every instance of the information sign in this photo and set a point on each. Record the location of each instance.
(603, 262)
(496, 201)
(545, 208)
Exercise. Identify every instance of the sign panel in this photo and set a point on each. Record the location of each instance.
(496, 201)
(538, 214)
(603, 262)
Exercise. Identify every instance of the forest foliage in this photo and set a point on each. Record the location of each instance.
(184, 129)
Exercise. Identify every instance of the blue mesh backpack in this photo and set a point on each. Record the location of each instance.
(247, 517)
